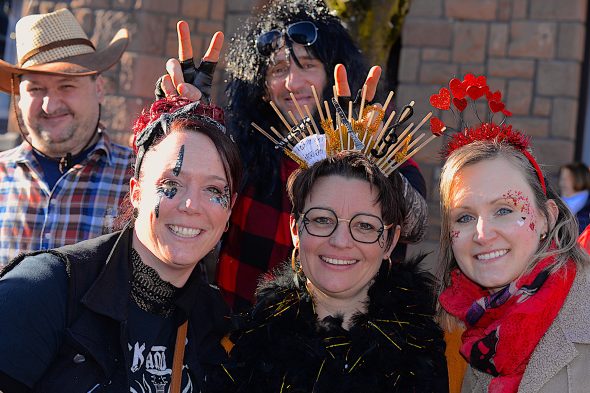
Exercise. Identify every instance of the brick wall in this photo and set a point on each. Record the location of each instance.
(532, 50)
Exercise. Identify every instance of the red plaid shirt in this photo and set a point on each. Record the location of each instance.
(259, 238)
(81, 205)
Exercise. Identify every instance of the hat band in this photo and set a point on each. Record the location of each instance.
(55, 44)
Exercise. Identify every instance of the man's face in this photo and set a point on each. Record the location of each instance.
(60, 113)
(284, 77)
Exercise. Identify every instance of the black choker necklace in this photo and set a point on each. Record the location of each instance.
(149, 291)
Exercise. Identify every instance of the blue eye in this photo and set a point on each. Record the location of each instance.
(503, 211)
(465, 218)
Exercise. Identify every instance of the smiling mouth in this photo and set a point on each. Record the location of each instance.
(184, 231)
(339, 262)
(491, 255)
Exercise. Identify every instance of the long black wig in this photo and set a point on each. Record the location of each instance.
(247, 68)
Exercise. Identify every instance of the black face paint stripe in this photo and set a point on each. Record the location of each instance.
(178, 165)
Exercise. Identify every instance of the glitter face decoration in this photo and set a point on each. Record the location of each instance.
(222, 198)
(167, 189)
(178, 165)
(522, 205)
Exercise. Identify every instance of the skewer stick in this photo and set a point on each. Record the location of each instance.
(329, 115)
(369, 123)
(385, 126)
(273, 140)
(386, 104)
(400, 142)
(416, 150)
(292, 116)
(315, 126)
(388, 161)
(348, 138)
(301, 115)
(281, 116)
(317, 102)
(363, 96)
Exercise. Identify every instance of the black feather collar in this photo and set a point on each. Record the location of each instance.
(394, 347)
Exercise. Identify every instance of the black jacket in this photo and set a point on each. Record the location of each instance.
(92, 355)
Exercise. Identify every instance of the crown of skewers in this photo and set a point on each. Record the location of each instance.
(306, 143)
(465, 93)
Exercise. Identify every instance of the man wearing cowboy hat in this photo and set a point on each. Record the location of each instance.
(64, 183)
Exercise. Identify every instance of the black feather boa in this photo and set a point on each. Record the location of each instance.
(395, 347)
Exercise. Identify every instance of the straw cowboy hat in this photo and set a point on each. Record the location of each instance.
(55, 44)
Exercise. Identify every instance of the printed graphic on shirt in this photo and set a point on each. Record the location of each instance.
(151, 369)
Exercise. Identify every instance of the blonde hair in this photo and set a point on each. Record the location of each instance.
(564, 233)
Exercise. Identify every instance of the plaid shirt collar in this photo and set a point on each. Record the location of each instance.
(24, 153)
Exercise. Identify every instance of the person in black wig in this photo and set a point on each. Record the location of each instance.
(285, 48)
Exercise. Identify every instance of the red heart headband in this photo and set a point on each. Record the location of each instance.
(458, 95)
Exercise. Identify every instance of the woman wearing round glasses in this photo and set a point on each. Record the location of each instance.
(341, 317)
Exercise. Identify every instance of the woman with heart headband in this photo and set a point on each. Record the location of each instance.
(128, 311)
(512, 273)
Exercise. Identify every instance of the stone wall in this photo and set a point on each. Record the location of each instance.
(532, 50)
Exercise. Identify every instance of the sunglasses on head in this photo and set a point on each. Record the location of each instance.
(304, 33)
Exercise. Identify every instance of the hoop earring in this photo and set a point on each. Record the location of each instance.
(390, 263)
(543, 236)
(296, 269)
(226, 227)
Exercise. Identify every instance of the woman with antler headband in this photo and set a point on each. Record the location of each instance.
(512, 271)
(341, 317)
(128, 311)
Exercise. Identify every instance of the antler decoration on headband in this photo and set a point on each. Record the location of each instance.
(378, 142)
(460, 94)
(473, 88)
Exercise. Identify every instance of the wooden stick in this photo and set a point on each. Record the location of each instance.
(363, 96)
(390, 156)
(273, 140)
(348, 138)
(427, 141)
(315, 126)
(400, 140)
(386, 104)
(281, 116)
(317, 102)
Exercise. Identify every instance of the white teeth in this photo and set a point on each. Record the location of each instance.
(183, 231)
(334, 261)
(490, 255)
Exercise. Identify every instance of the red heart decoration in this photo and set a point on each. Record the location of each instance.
(442, 100)
(495, 96)
(506, 112)
(496, 106)
(437, 127)
(481, 81)
(460, 103)
(457, 88)
(475, 92)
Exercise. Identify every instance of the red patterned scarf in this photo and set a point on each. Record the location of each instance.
(504, 328)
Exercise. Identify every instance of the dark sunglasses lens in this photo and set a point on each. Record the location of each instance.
(303, 33)
(266, 42)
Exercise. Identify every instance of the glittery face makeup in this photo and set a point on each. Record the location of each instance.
(221, 198)
(493, 222)
(178, 166)
(522, 205)
(167, 189)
